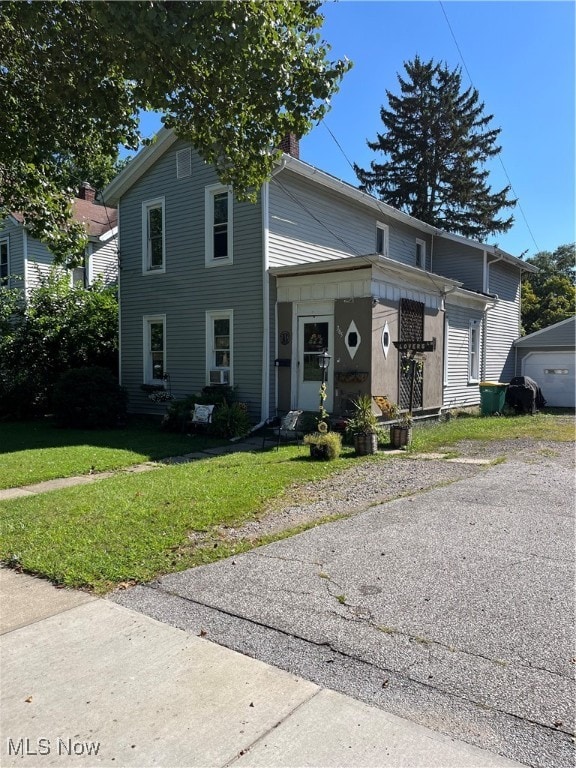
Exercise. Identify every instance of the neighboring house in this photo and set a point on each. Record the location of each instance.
(24, 260)
(549, 357)
(217, 291)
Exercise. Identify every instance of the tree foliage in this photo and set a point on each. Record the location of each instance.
(549, 296)
(59, 327)
(233, 78)
(436, 143)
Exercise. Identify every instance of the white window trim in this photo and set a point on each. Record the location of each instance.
(209, 194)
(146, 206)
(386, 238)
(473, 353)
(6, 241)
(211, 316)
(421, 243)
(147, 369)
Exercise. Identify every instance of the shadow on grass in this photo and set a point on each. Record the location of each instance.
(141, 435)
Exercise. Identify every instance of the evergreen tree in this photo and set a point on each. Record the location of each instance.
(549, 296)
(436, 143)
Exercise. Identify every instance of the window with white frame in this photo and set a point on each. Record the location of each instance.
(219, 235)
(219, 347)
(154, 349)
(420, 253)
(382, 239)
(474, 351)
(4, 262)
(153, 236)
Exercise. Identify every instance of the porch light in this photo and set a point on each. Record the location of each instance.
(324, 360)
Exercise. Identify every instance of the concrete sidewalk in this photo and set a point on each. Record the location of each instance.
(88, 682)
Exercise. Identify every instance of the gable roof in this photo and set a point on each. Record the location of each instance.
(97, 219)
(166, 137)
(560, 334)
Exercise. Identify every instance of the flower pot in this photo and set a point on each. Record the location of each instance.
(400, 436)
(318, 451)
(365, 443)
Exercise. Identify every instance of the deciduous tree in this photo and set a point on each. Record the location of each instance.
(549, 296)
(231, 77)
(435, 144)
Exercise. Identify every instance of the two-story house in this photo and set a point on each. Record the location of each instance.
(24, 260)
(217, 291)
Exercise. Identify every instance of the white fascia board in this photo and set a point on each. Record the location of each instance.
(108, 235)
(460, 297)
(138, 166)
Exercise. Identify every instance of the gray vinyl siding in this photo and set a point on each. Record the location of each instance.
(309, 223)
(188, 288)
(15, 234)
(459, 262)
(457, 391)
(39, 262)
(558, 335)
(104, 261)
(502, 322)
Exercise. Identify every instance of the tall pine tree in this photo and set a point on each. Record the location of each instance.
(436, 144)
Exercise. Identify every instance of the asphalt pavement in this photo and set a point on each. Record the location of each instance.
(452, 608)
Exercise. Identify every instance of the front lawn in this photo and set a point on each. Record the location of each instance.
(31, 452)
(135, 527)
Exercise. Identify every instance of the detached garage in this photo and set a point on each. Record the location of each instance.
(549, 357)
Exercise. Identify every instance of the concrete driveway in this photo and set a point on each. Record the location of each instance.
(453, 608)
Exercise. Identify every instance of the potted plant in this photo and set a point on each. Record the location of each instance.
(363, 426)
(324, 445)
(401, 431)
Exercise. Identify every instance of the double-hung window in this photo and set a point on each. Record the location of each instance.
(219, 347)
(4, 262)
(154, 349)
(153, 236)
(382, 239)
(474, 351)
(420, 253)
(218, 229)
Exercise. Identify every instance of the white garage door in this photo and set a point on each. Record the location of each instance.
(554, 372)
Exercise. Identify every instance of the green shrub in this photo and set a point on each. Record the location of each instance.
(230, 420)
(329, 444)
(217, 394)
(178, 413)
(89, 398)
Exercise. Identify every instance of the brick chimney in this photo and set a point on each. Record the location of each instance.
(290, 144)
(87, 192)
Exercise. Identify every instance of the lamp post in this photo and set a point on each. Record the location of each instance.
(323, 362)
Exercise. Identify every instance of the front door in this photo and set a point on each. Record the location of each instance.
(314, 336)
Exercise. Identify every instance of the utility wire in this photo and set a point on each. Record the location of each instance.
(499, 158)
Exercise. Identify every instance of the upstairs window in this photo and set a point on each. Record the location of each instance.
(219, 347)
(382, 239)
(4, 263)
(420, 253)
(153, 229)
(218, 204)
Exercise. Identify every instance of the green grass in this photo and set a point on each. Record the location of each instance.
(34, 451)
(133, 528)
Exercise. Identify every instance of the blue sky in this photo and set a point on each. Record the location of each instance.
(520, 57)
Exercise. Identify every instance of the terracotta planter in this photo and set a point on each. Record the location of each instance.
(400, 436)
(365, 444)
